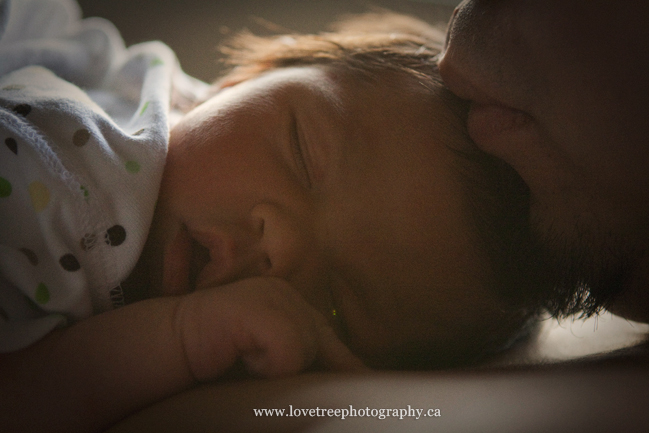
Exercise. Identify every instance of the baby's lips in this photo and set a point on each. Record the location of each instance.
(209, 259)
(176, 264)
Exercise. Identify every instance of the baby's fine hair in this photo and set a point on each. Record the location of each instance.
(371, 42)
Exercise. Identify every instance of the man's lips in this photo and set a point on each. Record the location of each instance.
(490, 115)
(486, 123)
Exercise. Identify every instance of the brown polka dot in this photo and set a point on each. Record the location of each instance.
(23, 109)
(12, 145)
(116, 235)
(81, 137)
(69, 263)
(31, 256)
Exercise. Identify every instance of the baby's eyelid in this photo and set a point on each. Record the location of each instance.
(297, 151)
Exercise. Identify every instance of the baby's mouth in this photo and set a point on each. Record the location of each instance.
(183, 260)
(200, 257)
(176, 256)
(210, 264)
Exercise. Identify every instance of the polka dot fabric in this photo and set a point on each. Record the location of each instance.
(80, 169)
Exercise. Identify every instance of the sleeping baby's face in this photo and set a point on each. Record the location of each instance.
(343, 187)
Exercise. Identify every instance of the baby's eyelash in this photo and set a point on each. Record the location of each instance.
(298, 155)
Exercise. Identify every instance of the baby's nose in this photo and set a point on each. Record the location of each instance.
(282, 239)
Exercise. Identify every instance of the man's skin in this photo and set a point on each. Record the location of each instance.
(559, 91)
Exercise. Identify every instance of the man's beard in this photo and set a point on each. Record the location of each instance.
(578, 272)
(539, 266)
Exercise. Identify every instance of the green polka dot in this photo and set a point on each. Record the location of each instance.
(5, 187)
(146, 105)
(156, 62)
(39, 194)
(42, 295)
(85, 191)
(132, 166)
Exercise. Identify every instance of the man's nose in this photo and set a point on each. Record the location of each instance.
(448, 29)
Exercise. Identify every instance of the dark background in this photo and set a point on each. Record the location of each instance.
(194, 28)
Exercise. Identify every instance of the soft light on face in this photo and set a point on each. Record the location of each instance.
(343, 186)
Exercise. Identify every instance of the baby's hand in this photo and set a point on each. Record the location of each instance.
(264, 322)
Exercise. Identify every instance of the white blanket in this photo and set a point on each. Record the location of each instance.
(84, 125)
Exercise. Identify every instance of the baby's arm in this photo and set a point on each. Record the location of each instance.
(92, 374)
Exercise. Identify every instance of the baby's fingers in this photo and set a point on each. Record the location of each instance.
(272, 345)
(333, 354)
